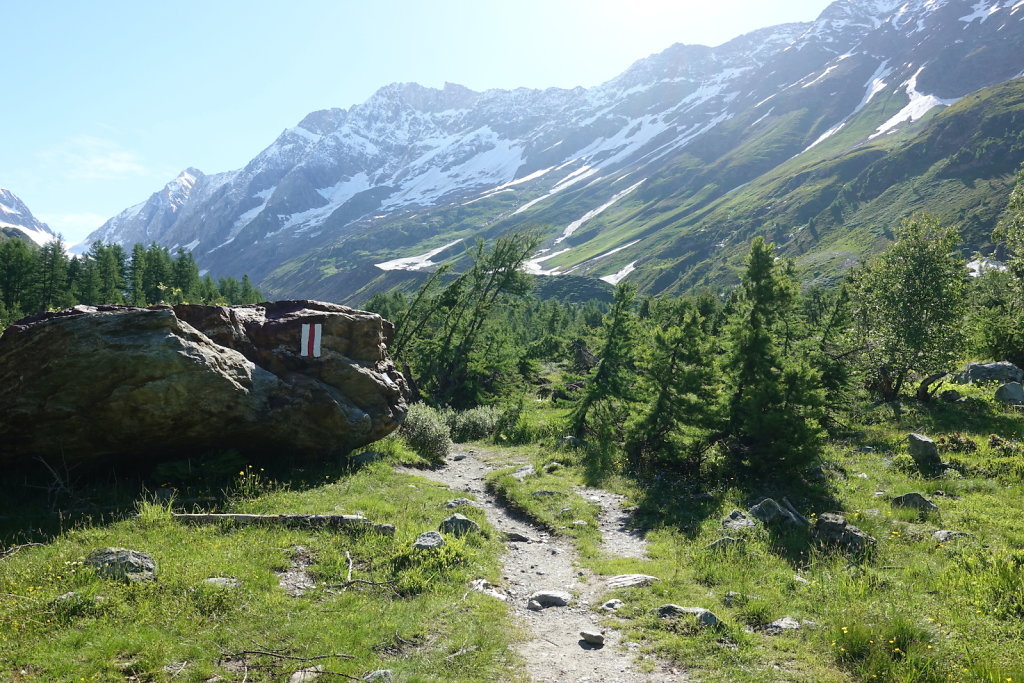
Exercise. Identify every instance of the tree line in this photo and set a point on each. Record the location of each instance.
(755, 376)
(34, 279)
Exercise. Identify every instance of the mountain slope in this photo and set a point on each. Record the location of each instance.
(17, 221)
(817, 134)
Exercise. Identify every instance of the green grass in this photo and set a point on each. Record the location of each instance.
(916, 610)
(420, 620)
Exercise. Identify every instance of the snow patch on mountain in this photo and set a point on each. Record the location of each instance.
(14, 214)
(982, 11)
(919, 105)
(415, 262)
(576, 224)
(533, 266)
(618, 276)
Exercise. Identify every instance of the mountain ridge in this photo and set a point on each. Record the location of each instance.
(614, 171)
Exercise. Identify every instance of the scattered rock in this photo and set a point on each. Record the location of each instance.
(296, 580)
(770, 512)
(1012, 393)
(799, 579)
(580, 522)
(487, 588)
(458, 525)
(732, 598)
(612, 605)
(122, 564)
(307, 675)
(592, 637)
(428, 539)
(924, 452)
(523, 472)
(725, 543)
(833, 530)
(914, 500)
(367, 458)
(459, 456)
(629, 580)
(223, 582)
(516, 537)
(380, 675)
(947, 535)
(704, 617)
(384, 529)
(543, 492)
(459, 502)
(551, 598)
(156, 382)
(534, 605)
(863, 475)
(950, 396)
(737, 520)
(553, 467)
(1003, 371)
(780, 625)
(570, 442)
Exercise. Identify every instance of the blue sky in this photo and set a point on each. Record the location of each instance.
(105, 101)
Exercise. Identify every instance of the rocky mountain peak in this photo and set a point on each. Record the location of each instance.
(15, 215)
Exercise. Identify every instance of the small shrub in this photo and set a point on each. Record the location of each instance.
(425, 431)
(1005, 448)
(957, 443)
(473, 424)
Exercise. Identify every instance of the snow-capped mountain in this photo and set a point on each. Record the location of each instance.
(652, 173)
(17, 219)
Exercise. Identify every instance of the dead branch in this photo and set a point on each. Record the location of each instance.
(278, 655)
(14, 549)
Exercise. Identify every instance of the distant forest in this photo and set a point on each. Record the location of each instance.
(46, 278)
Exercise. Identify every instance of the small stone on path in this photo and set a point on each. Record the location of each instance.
(628, 580)
(487, 588)
(612, 605)
(459, 502)
(551, 598)
(516, 537)
(592, 637)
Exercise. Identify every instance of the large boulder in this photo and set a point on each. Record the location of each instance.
(924, 452)
(90, 382)
(1011, 392)
(1003, 371)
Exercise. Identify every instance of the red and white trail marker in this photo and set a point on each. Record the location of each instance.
(311, 335)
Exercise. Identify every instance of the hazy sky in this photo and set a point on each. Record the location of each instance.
(104, 101)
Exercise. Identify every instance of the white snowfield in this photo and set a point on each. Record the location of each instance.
(415, 262)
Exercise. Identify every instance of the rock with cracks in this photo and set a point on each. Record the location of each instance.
(833, 530)
(914, 500)
(152, 382)
(122, 564)
(551, 598)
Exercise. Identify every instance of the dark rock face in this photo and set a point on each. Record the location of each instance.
(91, 382)
(924, 452)
(833, 530)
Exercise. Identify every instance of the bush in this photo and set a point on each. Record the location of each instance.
(425, 431)
(473, 424)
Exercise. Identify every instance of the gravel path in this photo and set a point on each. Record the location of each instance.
(555, 651)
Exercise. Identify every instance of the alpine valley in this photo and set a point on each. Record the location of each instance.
(820, 135)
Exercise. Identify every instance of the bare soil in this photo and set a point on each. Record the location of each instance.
(554, 650)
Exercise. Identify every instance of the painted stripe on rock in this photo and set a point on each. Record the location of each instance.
(311, 336)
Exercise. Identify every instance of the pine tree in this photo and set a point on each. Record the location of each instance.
(679, 373)
(774, 407)
(613, 378)
(17, 270)
(50, 284)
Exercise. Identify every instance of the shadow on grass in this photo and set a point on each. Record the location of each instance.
(40, 500)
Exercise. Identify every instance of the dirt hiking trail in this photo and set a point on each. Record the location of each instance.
(555, 650)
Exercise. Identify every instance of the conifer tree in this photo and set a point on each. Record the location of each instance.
(679, 374)
(775, 399)
(613, 378)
